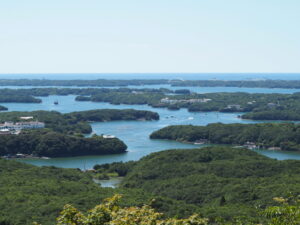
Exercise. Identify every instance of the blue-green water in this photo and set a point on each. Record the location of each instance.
(134, 133)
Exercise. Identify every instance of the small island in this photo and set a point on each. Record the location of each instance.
(44, 143)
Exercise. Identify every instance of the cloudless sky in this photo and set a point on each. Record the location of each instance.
(97, 36)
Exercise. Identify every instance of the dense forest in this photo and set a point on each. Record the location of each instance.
(77, 122)
(223, 182)
(285, 136)
(44, 143)
(30, 193)
(140, 82)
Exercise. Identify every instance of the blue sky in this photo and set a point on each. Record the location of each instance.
(95, 36)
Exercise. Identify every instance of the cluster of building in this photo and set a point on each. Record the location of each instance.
(15, 128)
(234, 106)
(194, 100)
(253, 146)
(239, 107)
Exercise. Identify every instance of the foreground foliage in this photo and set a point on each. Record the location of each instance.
(110, 213)
(287, 213)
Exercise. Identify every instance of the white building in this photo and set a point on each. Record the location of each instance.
(21, 125)
(108, 136)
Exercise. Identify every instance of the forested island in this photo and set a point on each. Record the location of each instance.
(284, 136)
(263, 83)
(43, 143)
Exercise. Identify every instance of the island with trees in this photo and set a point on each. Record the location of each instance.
(273, 136)
(44, 143)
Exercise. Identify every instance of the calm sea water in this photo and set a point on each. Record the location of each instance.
(134, 133)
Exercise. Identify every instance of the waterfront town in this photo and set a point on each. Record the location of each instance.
(8, 127)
